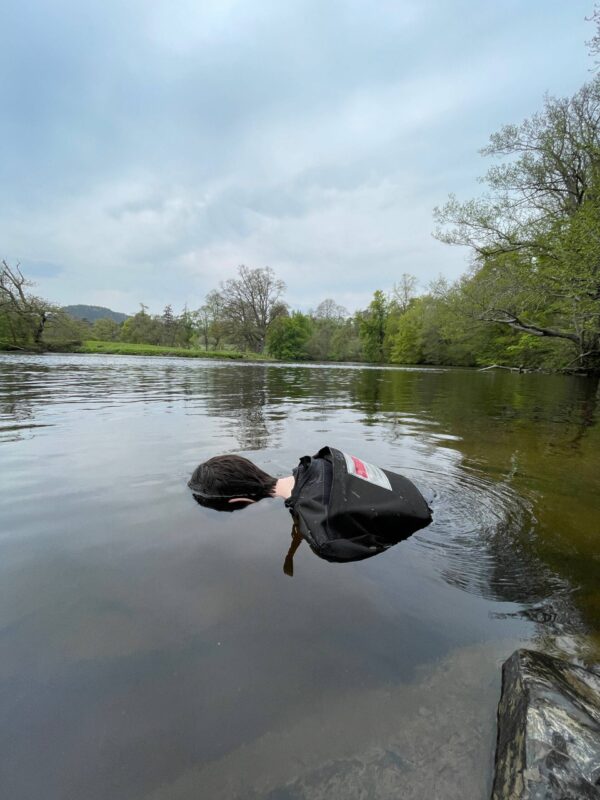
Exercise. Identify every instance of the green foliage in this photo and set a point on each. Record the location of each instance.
(334, 336)
(106, 330)
(406, 336)
(536, 236)
(15, 333)
(24, 314)
(169, 327)
(319, 346)
(532, 351)
(132, 349)
(142, 329)
(372, 327)
(288, 337)
(334, 340)
(61, 331)
(211, 322)
(346, 344)
(186, 328)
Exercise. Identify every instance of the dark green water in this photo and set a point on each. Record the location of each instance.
(154, 649)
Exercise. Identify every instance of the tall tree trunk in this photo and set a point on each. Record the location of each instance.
(38, 330)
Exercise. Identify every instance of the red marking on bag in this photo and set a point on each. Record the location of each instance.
(359, 467)
(367, 472)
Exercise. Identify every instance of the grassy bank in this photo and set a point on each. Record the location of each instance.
(128, 349)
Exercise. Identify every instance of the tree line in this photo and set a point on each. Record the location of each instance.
(531, 297)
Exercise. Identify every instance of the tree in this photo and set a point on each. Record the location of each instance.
(288, 336)
(345, 343)
(594, 43)
(24, 315)
(62, 331)
(106, 330)
(372, 326)
(186, 326)
(142, 328)
(210, 320)
(327, 319)
(403, 296)
(535, 236)
(403, 292)
(407, 341)
(169, 326)
(328, 309)
(249, 305)
(203, 318)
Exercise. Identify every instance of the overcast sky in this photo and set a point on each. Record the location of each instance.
(149, 147)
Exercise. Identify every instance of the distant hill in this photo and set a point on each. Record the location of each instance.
(92, 313)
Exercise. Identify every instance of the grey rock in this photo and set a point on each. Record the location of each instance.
(548, 745)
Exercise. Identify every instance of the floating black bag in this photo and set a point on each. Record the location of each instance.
(347, 509)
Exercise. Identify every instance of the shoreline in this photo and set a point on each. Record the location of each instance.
(93, 347)
(97, 347)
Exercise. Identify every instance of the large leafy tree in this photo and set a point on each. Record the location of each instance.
(372, 326)
(288, 336)
(106, 330)
(535, 235)
(211, 320)
(186, 327)
(328, 319)
(142, 328)
(169, 326)
(249, 304)
(345, 342)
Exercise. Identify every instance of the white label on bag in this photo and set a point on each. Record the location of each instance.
(368, 472)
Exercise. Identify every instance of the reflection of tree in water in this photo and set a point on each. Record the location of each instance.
(321, 388)
(287, 384)
(588, 412)
(367, 388)
(386, 395)
(16, 418)
(240, 394)
(514, 514)
(19, 399)
(257, 397)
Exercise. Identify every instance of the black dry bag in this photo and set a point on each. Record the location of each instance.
(347, 509)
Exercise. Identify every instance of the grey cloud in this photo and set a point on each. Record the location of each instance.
(152, 147)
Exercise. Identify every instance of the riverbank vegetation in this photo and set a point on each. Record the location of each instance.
(530, 299)
(94, 346)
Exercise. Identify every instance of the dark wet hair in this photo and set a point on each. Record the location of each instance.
(222, 478)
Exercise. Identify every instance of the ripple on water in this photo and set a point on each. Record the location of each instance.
(479, 536)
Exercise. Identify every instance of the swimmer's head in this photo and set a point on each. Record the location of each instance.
(227, 483)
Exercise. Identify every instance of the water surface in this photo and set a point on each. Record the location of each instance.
(153, 649)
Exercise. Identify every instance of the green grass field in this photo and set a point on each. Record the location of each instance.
(129, 349)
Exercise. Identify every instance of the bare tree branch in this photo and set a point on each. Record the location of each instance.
(527, 327)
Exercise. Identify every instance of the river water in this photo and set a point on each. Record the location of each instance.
(152, 649)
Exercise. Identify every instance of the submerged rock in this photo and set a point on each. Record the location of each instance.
(548, 745)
